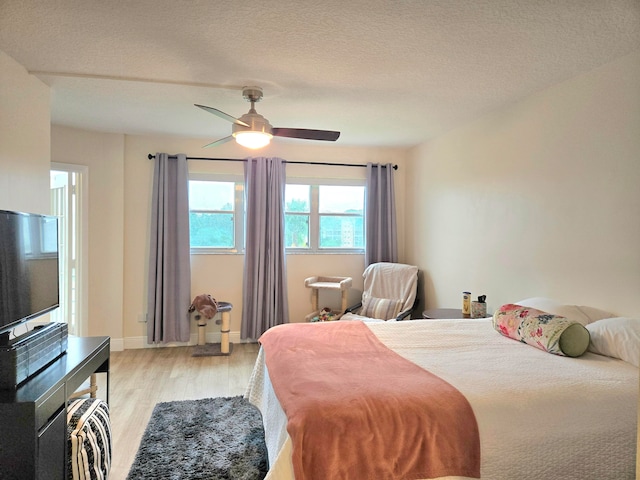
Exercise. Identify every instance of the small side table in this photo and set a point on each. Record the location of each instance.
(444, 313)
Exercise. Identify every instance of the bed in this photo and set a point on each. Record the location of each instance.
(538, 415)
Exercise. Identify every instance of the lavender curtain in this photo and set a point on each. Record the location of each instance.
(169, 293)
(264, 298)
(380, 210)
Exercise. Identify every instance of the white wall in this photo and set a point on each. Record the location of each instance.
(538, 199)
(24, 139)
(221, 275)
(103, 154)
(24, 143)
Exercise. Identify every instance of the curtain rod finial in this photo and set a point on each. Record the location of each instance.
(150, 156)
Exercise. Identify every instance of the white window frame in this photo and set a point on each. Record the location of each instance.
(73, 233)
(314, 216)
(238, 214)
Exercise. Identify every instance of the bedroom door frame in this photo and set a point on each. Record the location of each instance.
(70, 201)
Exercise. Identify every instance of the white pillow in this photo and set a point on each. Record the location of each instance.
(578, 313)
(617, 337)
(595, 314)
(539, 303)
(572, 312)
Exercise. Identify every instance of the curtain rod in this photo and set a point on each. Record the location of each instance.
(395, 167)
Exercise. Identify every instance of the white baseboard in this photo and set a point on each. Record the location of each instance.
(131, 343)
(116, 344)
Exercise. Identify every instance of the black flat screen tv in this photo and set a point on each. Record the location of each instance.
(29, 282)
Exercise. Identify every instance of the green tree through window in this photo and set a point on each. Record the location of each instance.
(213, 212)
(317, 217)
(296, 224)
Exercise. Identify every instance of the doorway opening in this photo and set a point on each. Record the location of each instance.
(69, 203)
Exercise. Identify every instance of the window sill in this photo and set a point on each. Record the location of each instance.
(288, 252)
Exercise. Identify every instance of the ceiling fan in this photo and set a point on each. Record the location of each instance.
(252, 130)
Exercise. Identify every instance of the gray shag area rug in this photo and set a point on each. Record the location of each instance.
(212, 438)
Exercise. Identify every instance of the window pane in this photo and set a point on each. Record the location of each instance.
(341, 232)
(296, 231)
(296, 198)
(213, 230)
(206, 195)
(341, 199)
(49, 236)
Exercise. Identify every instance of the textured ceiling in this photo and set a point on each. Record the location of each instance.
(384, 73)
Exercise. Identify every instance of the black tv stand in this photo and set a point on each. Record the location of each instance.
(33, 433)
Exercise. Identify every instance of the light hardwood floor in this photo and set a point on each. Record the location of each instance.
(143, 377)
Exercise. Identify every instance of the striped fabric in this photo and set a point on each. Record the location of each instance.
(381, 308)
(89, 438)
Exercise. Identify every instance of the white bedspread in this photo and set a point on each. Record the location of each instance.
(540, 416)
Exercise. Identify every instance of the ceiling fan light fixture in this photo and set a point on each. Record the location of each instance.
(253, 140)
(257, 134)
(254, 131)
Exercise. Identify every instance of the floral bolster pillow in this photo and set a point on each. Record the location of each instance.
(548, 332)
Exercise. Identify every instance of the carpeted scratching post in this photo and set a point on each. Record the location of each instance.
(204, 349)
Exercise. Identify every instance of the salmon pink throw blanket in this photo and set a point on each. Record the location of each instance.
(357, 410)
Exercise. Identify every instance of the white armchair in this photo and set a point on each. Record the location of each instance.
(389, 293)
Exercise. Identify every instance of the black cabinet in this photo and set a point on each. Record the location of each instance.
(50, 449)
(33, 433)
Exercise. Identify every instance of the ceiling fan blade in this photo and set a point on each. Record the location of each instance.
(221, 114)
(218, 142)
(306, 134)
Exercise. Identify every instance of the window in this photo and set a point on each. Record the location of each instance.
(327, 217)
(324, 218)
(341, 210)
(297, 201)
(215, 216)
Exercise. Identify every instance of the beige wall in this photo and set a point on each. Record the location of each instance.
(24, 139)
(103, 154)
(119, 207)
(24, 143)
(221, 275)
(538, 199)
